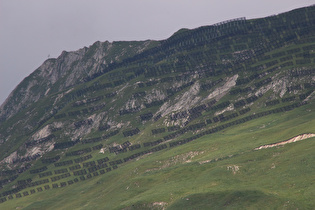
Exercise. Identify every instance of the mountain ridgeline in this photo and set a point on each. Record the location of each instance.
(168, 124)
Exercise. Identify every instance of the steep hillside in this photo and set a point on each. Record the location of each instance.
(69, 69)
(168, 124)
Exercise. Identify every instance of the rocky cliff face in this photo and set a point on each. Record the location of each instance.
(68, 69)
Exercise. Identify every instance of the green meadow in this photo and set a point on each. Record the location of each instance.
(219, 171)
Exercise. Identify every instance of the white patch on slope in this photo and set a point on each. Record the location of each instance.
(42, 133)
(154, 95)
(10, 158)
(294, 139)
(219, 92)
(229, 108)
(42, 149)
(85, 129)
(182, 102)
(280, 86)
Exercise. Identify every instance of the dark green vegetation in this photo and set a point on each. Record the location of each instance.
(175, 126)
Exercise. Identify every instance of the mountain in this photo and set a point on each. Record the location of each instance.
(206, 119)
(69, 69)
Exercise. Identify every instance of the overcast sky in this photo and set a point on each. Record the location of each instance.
(32, 30)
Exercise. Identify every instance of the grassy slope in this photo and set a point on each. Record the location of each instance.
(274, 178)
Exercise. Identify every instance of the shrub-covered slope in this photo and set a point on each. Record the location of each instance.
(173, 124)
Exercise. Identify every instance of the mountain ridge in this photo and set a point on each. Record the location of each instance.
(54, 70)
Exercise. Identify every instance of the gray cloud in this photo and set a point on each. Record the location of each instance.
(33, 29)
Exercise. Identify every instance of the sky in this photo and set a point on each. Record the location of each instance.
(32, 31)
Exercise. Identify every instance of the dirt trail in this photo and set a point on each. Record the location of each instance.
(294, 139)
